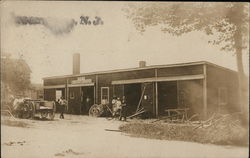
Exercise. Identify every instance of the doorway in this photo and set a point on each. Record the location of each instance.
(148, 100)
(60, 92)
(167, 96)
(132, 93)
(87, 99)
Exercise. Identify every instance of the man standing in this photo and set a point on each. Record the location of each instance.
(123, 113)
(62, 103)
(114, 108)
(87, 104)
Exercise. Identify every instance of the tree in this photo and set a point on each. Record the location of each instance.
(227, 22)
(15, 74)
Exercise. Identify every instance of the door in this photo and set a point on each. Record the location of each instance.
(132, 93)
(148, 98)
(87, 99)
(74, 100)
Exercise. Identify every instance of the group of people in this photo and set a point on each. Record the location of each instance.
(119, 108)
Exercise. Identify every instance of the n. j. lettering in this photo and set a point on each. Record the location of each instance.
(86, 20)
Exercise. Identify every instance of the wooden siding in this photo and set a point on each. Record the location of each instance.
(180, 71)
(222, 78)
(190, 96)
(49, 94)
(54, 82)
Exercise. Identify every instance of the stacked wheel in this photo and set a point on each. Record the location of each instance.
(96, 110)
(25, 111)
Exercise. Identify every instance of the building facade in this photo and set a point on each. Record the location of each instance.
(202, 87)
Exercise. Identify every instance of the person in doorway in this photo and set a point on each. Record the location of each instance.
(58, 106)
(123, 113)
(87, 103)
(62, 103)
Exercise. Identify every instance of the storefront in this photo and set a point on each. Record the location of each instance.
(195, 86)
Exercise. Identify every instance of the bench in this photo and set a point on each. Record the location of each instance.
(179, 112)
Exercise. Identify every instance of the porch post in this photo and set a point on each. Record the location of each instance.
(96, 83)
(123, 90)
(156, 94)
(80, 100)
(205, 92)
(67, 94)
(94, 94)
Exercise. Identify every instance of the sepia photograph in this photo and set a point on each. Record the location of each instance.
(124, 79)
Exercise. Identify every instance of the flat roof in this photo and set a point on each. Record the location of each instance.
(139, 68)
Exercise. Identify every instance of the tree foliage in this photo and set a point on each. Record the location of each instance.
(227, 22)
(15, 73)
(222, 20)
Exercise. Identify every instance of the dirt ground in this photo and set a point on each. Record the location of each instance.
(83, 136)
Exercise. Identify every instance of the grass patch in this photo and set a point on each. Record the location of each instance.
(220, 133)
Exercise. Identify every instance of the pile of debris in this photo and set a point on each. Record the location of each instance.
(218, 129)
(231, 120)
(223, 129)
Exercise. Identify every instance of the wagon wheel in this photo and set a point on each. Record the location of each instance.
(32, 110)
(52, 112)
(51, 115)
(95, 111)
(25, 111)
(44, 114)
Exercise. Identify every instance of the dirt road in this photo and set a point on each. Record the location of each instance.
(83, 136)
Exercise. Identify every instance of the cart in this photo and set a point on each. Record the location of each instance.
(44, 108)
(28, 108)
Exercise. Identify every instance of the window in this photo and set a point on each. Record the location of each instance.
(104, 94)
(222, 92)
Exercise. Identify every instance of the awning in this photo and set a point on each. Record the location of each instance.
(159, 79)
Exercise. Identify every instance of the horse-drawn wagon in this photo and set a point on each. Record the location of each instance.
(28, 108)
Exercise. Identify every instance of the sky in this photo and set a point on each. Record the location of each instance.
(48, 45)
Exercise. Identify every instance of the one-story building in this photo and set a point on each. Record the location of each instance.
(201, 87)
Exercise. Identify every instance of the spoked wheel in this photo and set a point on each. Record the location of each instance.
(44, 115)
(26, 111)
(51, 115)
(52, 112)
(95, 110)
(31, 110)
